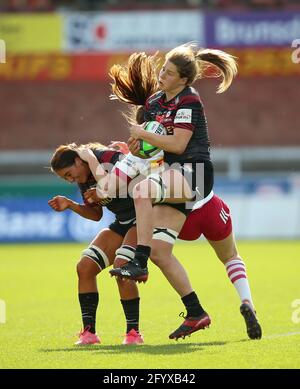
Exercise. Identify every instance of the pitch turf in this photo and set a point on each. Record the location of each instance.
(38, 284)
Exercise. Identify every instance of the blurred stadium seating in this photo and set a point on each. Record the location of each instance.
(96, 5)
(55, 89)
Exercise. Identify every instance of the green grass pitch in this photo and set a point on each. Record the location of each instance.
(39, 286)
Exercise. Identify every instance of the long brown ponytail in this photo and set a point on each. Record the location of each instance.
(192, 63)
(134, 83)
(223, 61)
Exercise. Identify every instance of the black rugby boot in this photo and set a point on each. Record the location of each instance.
(190, 325)
(132, 270)
(254, 330)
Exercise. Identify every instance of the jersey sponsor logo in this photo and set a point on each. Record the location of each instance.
(159, 117)
(128, 161)
(183, 115)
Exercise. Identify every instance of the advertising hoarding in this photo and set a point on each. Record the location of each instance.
(131, 31)
(31, 33)
(251, 29)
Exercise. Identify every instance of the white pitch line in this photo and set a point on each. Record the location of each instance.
(281, 335)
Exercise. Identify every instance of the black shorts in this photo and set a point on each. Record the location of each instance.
(200, 176)
(122, 227)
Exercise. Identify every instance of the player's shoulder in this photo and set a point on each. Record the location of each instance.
(155, 97)
(189, 95)
(107, 155)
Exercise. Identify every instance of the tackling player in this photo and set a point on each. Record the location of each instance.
(115, 243)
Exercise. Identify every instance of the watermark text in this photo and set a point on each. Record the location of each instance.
(296, 312)
(296, 53)
(2, 312)
(176, 181)
(2, 51)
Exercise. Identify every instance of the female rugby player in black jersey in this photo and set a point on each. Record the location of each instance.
(178, 107)
(120, 236)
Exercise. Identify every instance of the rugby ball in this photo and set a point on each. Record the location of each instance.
(146, 149)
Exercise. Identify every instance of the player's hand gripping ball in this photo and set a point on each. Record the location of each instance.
(146, 149)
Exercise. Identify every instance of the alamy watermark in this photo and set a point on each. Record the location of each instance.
(2, 51)
(189, 183)
(2, 312)
(296, 312)
(296, 53)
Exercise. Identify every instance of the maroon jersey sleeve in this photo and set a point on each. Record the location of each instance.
(108, 157)
(188, 113)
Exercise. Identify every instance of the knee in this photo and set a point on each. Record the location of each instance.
(229, 255)
(124, 254)
(86, 268)
(80, 269)
(140, 192)
(228, 258)
(159, 259)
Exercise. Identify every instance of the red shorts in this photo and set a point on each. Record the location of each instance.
(212, 220)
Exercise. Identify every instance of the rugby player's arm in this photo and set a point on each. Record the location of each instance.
(61, 203)
(87, 211)
(101, 176)
(175, 143)
(107, 182)
(97, 170)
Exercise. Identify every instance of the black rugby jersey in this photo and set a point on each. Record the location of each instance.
(123, 208)
(183, 111)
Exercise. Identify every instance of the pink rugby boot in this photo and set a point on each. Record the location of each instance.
(87, 337)
(133, 337)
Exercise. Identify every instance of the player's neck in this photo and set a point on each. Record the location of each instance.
(174, 92)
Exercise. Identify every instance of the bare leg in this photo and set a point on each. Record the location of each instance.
(172, 270)
(155, 188)
(146, 191)
(171, 220)
(87, 269)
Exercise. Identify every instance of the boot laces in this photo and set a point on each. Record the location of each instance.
(87, 328)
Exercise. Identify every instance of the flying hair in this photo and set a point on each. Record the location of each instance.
(193, 63)
(136, 81)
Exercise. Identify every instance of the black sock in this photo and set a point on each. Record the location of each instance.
(142, 253)
(132, 313)
(192, 305)
(89, 303)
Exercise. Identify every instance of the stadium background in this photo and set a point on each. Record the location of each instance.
(55, 89)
